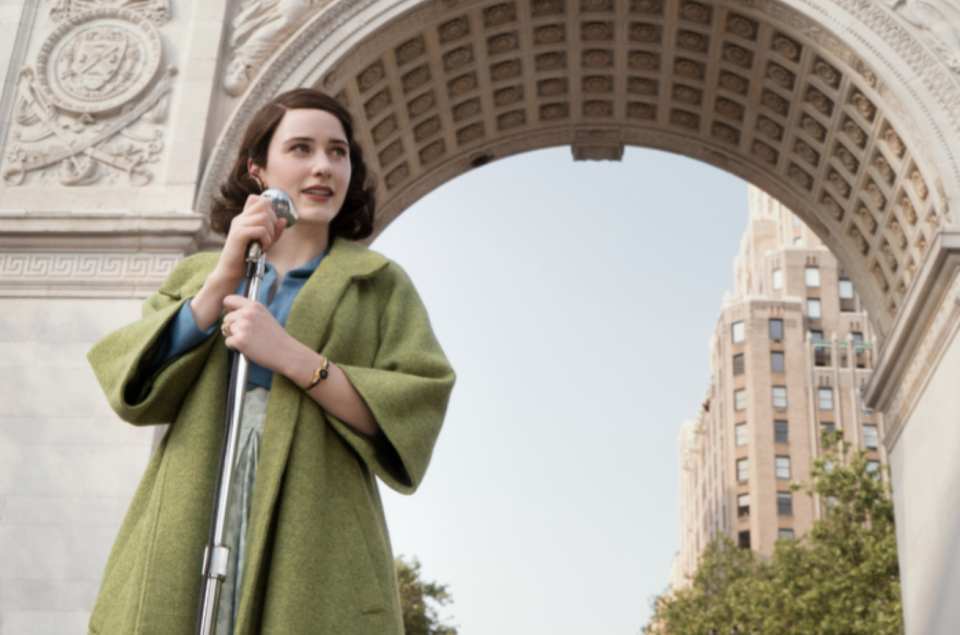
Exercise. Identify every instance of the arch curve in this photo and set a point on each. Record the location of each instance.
(811, 100)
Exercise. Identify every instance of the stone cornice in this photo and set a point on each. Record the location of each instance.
(101, 230)
(928, 317)
(74, 255)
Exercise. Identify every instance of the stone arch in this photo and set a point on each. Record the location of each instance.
(800, 100)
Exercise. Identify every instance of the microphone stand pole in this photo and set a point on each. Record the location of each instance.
(217, 555)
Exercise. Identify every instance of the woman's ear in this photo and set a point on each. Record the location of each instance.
(254, 171)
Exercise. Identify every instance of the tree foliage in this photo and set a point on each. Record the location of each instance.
(842, 578)
(419, 601)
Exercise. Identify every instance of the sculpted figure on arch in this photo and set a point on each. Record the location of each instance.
(940, 20)
(258, 31)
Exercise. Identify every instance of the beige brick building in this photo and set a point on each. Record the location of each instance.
(791, 353)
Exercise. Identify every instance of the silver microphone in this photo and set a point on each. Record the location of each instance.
(282, 205)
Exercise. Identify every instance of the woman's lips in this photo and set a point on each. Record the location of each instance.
(318, 193)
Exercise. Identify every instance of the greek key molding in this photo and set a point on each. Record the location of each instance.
(41, 267)
(65, 254)
(81, 274)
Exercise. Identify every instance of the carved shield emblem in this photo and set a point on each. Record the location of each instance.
(96, 59)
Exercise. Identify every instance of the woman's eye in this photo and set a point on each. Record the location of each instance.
(340, 152)
(300, 147)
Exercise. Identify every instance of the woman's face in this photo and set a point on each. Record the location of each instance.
(309, 159)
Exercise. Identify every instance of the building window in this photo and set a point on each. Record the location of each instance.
(873, 469)
(857, 336)
(743, 539)
(776, 361)
(776, 330)
(779, 396)
(816, 335)
(781, 432)
(827, 427)
(740, 433)
(821, 355)
(796, 220)
(785, 533)
(784, 504)
(743, 505)
(871, 439)
(738, 364)
(813, 308)
(783, 466)
(847, 303)
(743, 471)
(737, 330)
(846, 289)
(798, 241)
(777, 279)
(825, 398)
(811, 276)
(740, 399)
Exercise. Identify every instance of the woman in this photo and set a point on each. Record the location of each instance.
(347, 382)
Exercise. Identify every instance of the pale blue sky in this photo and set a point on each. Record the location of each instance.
(575, 301)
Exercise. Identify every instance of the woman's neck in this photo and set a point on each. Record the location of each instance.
(297, 246)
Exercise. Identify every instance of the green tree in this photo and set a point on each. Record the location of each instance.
(419, 601)
(842, 578)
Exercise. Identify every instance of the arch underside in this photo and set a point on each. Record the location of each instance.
(450, 85)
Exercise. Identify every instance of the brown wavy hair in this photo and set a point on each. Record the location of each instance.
(355, 219)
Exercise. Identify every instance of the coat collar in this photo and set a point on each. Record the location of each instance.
(353, 260)
(313, 308)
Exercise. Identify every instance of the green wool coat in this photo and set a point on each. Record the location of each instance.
(318, 556)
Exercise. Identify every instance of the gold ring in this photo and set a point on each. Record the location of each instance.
(225, 329)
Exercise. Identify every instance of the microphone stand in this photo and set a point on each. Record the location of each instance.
(217, 555)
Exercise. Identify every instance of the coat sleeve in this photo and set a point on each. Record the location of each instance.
(407, 389)
(121, 359)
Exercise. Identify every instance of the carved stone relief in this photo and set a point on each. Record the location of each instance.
(89, 112)
(259, 29)
(938, 22)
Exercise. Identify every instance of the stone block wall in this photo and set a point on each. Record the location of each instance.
(68, 465)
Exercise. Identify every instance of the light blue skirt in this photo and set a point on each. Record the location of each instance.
(241, 501)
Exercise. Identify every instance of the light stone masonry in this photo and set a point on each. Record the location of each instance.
(68, 466)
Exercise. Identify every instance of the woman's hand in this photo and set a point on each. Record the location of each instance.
(251, 329)
(258, 222)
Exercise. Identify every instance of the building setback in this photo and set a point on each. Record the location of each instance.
(791, 353)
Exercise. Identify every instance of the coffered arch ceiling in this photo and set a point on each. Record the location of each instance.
(757, 89)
